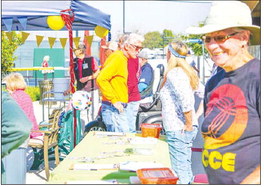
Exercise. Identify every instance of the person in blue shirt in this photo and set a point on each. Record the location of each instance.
(146, 79)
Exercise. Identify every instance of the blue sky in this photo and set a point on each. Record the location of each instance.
(146, 16)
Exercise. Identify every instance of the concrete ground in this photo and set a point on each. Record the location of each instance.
(39, 176)
(36, 176)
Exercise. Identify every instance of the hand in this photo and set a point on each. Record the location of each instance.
(253, 178)
(66, 92)
(187, 128)
(84, 79)
(119, 106)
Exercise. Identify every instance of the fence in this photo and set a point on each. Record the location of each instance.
(32, 79)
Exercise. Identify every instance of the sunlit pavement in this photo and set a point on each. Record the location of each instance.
(38, 176)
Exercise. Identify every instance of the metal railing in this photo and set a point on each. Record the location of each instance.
(35, 70)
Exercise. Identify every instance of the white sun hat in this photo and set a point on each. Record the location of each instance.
(228, 14)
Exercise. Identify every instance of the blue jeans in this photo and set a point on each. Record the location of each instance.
(132, 110)
(15, 165)
(180, 144)
(114, 121)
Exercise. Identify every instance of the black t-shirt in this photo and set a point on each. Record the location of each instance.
(231, 126)
(86, 71)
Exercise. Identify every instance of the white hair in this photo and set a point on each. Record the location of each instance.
(46, 58)
(132, 38)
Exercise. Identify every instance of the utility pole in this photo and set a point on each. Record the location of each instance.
(124, 17)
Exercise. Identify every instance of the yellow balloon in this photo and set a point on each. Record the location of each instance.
(55, 22)
(100, 31)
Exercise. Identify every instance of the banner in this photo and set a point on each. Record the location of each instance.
(24, 36)
(39, 39)
(89, 40)
(23, 22)
(76, 41)
(63, 42)
(8, 23)
(9, 36)
(51, 41)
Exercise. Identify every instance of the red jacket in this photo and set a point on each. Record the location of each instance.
(133, 77)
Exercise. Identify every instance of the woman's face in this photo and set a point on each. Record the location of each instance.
(225, 47)
(78, 52)
(142, 61)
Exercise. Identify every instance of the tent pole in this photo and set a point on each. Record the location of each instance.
(68, 19)
(72, 86)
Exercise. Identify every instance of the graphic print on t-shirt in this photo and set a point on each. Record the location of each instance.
(226, 116)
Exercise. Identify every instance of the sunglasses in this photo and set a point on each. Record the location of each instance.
(219, 38)
(137, 48)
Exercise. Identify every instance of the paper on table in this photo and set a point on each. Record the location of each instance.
(81, 159)
(142, 151)
(93, 166)
(134, 166)
(143, 141)
(138, 151)
(109, 133)
(93, 182)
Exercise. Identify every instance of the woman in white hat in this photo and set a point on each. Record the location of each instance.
(231, 126)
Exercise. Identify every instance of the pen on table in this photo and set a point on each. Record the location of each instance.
(103, 169)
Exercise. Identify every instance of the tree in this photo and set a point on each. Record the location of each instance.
(197, 48)
(157, 40)
(8, 50)
(153, 40)
(167, 36)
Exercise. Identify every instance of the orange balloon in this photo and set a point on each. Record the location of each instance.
(55, 22)
(100, 31)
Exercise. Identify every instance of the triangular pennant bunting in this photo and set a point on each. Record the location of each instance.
(39, 39)
(63, 42)
(76, 41)
(9, 36)
(8, 23)
(89, 39)
(51, 41)
(23, 22)
(24, 36)
(88, 50)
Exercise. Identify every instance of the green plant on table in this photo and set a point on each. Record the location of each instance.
(129, 151)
